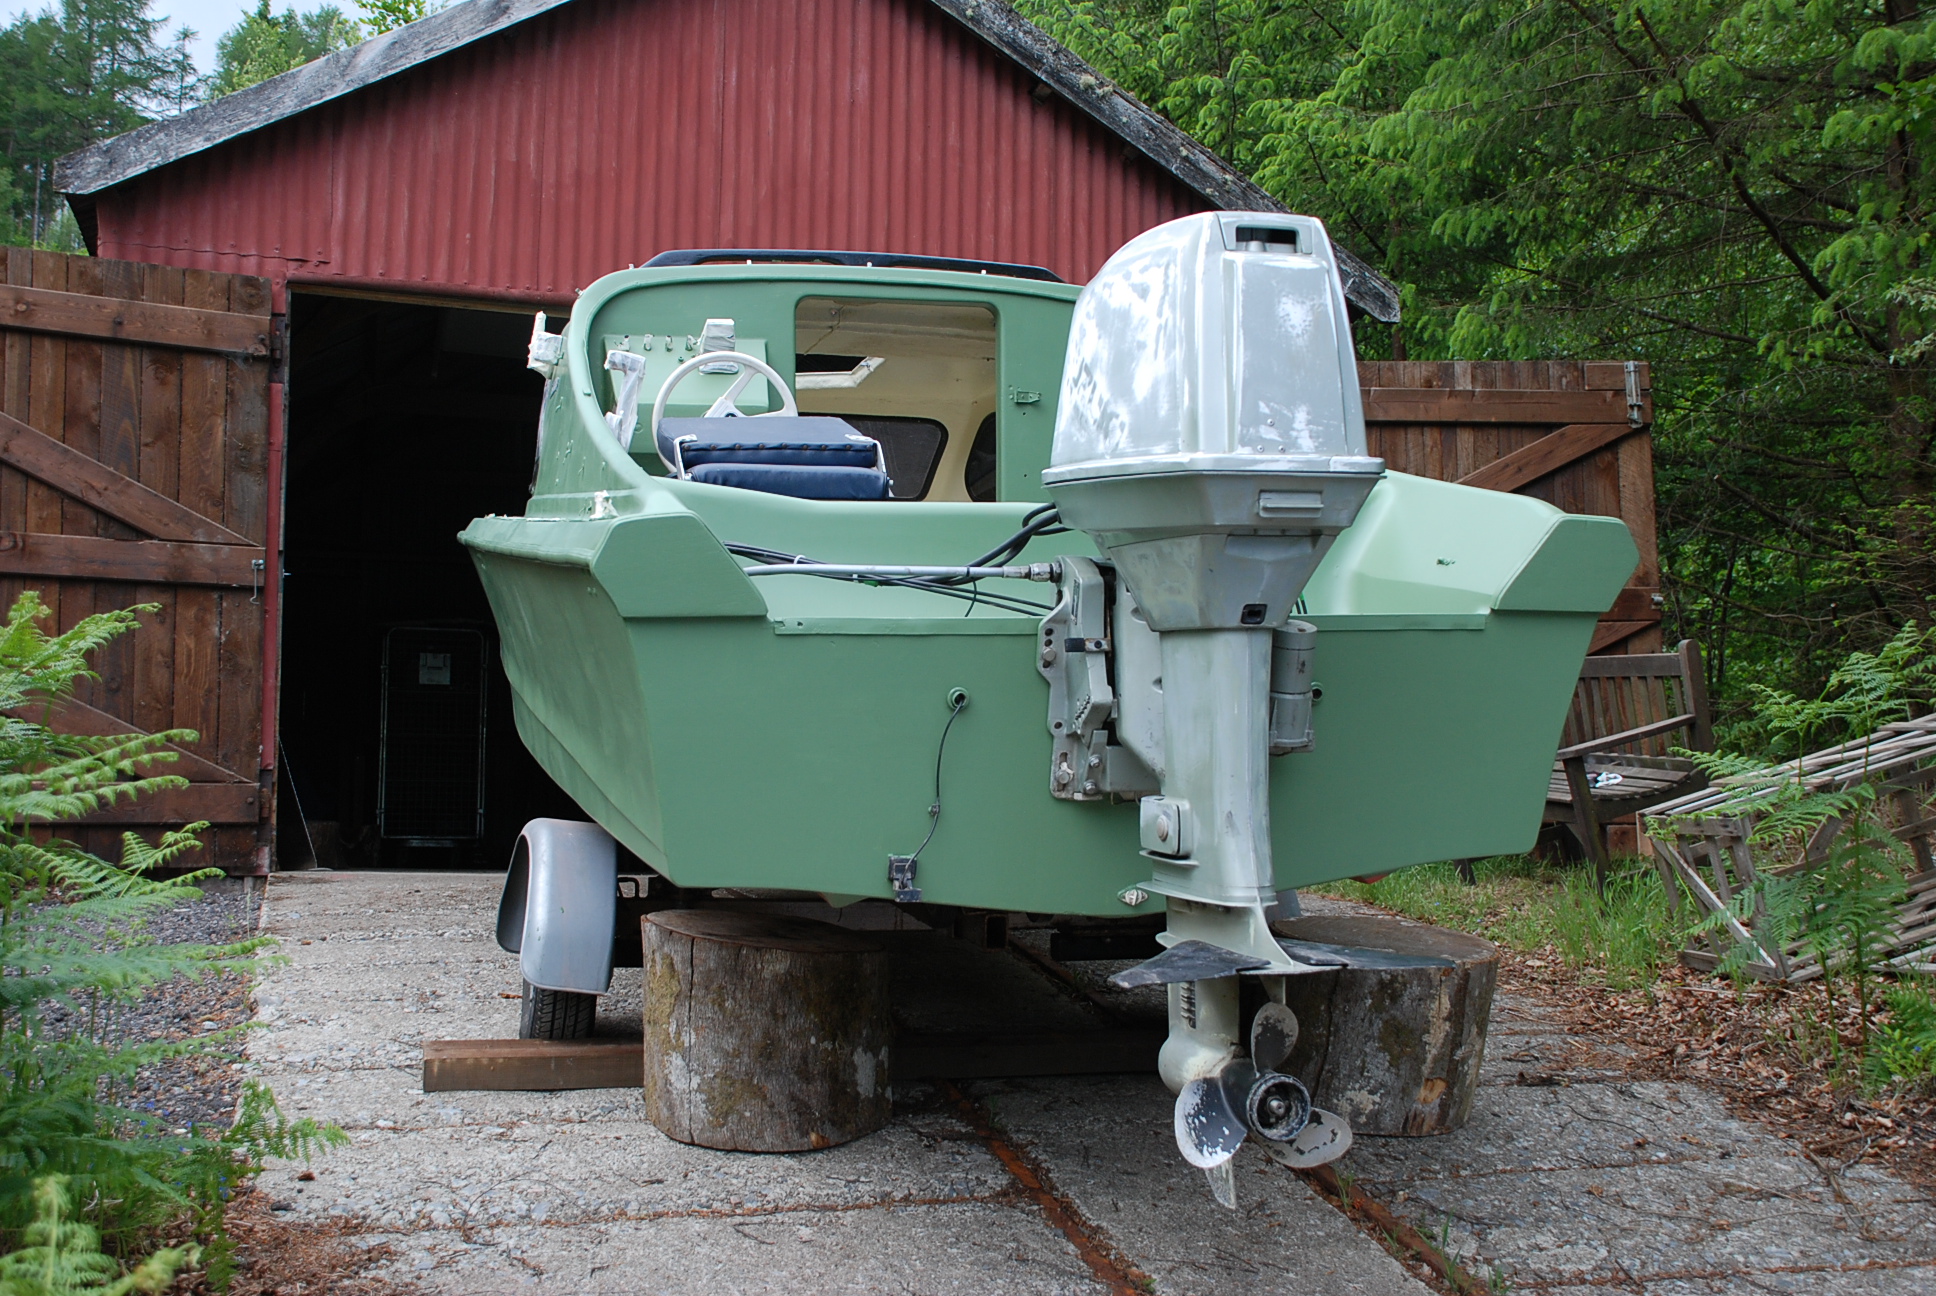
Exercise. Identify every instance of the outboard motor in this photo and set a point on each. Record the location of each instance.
(1211, 441)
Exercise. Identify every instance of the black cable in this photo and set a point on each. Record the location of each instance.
(775, 557)
(956, 706)
(1043, 520)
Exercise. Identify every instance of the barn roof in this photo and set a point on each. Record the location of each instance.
(114, 161)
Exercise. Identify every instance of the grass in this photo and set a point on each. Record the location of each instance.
(1621, 940)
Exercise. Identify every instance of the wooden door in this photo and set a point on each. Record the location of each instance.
(134, 468)
(1574, 433)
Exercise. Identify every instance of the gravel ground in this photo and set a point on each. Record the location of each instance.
(198, 1090)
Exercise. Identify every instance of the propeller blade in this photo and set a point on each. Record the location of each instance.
(1323, 1140)
(1208, 1128)
(1223, 1183)
(1273, 1034)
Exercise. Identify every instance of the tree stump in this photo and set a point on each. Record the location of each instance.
(1392, 1050)
(763, 1033)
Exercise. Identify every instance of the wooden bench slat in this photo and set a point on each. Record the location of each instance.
(1625, 736)
(1620, 666)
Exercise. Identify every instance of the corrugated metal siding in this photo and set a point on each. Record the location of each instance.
(605, 131)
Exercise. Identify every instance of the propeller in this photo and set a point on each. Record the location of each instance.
(1249, 1095)
(1209, 1126)
(1323, 1140)
(1273, 1034)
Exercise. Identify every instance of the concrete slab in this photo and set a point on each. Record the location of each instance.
(1108, 1142)
(1567, 1181)
(972, 1248)
(488, 1192)
(612, 1168)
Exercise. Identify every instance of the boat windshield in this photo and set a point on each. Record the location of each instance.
(919, 377)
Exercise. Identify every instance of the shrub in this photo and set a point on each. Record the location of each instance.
(71, 945)
(1902, 1048)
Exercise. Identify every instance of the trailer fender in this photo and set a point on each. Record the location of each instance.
(560, 905)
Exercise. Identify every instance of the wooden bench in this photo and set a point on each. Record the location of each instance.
(1629, 712)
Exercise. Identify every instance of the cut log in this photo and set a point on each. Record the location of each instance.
(763, 1033)
(1393, 1050)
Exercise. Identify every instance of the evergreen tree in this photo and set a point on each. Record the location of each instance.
(93, 69)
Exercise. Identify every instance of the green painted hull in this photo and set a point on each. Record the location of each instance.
(783, 732)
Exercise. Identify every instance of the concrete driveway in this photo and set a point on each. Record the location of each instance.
(1564, 1181)
(578, 1192)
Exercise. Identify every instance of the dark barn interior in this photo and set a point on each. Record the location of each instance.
(405, 422)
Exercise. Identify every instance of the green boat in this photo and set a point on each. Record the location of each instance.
(848, 646)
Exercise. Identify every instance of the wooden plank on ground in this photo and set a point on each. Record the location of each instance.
(105, 490)
(454, 1065)
(451, 1065)
(76, 557)
(45, 310)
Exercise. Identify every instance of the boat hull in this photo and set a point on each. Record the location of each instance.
(731, 740)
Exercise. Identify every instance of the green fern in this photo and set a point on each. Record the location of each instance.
(72, 945)
(63, 1257)
(1902, 1050)
(1841, 907)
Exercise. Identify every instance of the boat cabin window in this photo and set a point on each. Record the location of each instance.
(919, 377)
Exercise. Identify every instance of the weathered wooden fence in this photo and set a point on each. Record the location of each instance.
(133, 424)
(1573, 433)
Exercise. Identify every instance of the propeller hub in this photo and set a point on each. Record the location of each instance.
(1277, 1107)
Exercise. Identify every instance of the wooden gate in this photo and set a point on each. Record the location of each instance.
(1573, 433)
(134, 436)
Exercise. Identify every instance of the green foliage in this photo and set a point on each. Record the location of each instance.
(63, 1257)
(1902, 1048)
(92, 69)
(387, 15)
(72, 945)
(1841, 910)
(1733, 190)
(1867, 690)
(1836, 899)
(1626, 932)
(265, 44)
(1620, 940)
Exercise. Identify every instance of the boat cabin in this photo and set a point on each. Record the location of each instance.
(953, 377)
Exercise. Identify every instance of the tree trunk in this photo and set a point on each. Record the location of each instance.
(1393, 1050)
(763, 1033)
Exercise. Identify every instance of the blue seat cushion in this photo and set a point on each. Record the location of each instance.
(836, 455)
(805, 439)
(802, 481)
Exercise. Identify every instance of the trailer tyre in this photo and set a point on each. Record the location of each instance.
(556, 1014)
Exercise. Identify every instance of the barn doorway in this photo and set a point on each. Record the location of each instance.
(405, 421)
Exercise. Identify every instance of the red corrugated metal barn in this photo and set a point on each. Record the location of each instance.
(298, 351)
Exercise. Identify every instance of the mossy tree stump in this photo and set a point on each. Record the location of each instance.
(763, 1033)
(1393, 1050)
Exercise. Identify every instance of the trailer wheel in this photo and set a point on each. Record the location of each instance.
(556, 1014)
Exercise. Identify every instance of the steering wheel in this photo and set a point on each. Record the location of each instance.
(728, 403)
